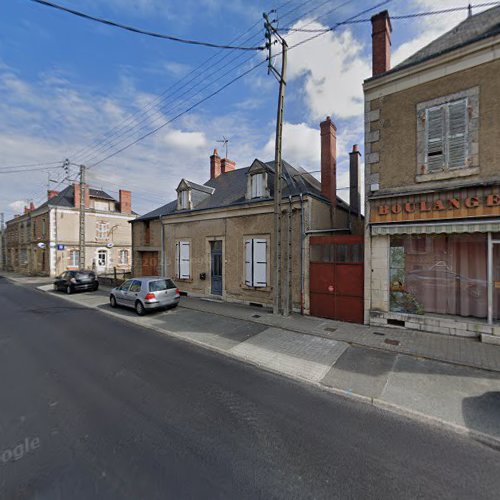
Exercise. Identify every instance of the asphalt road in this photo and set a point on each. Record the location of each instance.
(93, 407)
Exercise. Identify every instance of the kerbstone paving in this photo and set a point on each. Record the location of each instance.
(291, 353)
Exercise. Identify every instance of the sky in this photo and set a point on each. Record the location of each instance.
(76, 89)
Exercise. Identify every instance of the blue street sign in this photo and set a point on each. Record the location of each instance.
(60, 247)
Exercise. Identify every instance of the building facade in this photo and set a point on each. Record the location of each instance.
(217, 239)
(432, 237)
(44, 240)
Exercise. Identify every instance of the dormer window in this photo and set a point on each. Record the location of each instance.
(183, 199)
(257, 185)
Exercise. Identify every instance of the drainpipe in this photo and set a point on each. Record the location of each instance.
(289, 264)
(302, 238)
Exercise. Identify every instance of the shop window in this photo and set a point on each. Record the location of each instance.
(448, 278)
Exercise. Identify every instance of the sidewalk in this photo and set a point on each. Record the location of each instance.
(350, 360)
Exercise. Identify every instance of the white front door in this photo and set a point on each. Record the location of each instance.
(101, 260)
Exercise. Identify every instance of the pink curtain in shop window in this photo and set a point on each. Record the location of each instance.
(447, 274)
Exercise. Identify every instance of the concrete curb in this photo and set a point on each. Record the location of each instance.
(422, 418)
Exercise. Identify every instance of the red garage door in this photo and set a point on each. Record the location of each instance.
(337, 277)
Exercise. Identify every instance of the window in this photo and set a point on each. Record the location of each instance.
(450, 277)
(183, 200)
(125, 286)
(257, 185)
(74, 258)
(103, 206)
(102, 230)
(136, 286)
(161, 285)
(124, 257)
(182, 260)
(256, 263)
(147, 233)
(446, 130)
(43, 227)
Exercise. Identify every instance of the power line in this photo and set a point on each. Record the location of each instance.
(26, 165)
(17, 171)
(109, 143)
(404, 16)
(141, 31)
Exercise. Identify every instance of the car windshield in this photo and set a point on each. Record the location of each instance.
(160, 285)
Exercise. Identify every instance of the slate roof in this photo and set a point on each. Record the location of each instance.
(476, 27)
(230, 190)
(65, 198)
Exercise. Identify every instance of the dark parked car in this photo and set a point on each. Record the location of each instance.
(73, 281)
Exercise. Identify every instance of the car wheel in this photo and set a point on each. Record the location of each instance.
(139, 308)
(69, 290)
(96, 287)
(55, 288)
(112, 301)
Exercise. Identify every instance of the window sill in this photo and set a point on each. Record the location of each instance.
(447, 174)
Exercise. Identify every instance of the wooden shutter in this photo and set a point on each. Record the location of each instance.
(184, 260)
(435, 138)
(249, 262)
(259, 263)
(457, 119)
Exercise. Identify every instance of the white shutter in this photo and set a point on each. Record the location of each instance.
(177, 260)
(457, 130)
(257, 182)
(435, 139)
(259, 263)
(249, 262)
(184, 257)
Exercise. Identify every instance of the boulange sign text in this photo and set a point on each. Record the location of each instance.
(469, 203)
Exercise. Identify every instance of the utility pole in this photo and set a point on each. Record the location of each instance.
(278, 170)
(82, 217)
(2, 242)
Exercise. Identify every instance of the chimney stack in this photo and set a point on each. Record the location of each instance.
(329, 160)
(227, 165)
(51, 194)
(381, 43)
(354, 180)
(76, 195)
(125, 201)
(215, 165)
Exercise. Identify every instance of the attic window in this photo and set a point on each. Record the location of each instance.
(257, 185)
(183, 200)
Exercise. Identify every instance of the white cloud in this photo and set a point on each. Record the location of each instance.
(333, 68)
(428, 28)
(17, 206)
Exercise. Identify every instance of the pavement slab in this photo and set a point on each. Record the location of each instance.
(463, 396)
(361, 371)
(291, 353)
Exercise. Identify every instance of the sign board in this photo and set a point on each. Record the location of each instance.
(41, 245)
(469, 202)
(109, 245)
(60, 246)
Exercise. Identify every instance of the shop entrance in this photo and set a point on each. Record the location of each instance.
(495, 270)
(337, 277)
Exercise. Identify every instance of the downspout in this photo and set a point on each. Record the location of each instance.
(302, 238)
(289, 290)
(162, 249)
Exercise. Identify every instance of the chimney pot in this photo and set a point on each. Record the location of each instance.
(51, 194)
(354, 180)
(381, 43)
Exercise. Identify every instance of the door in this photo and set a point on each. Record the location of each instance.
(133, 293)
(216, 267)
(121, 292)
(496, 280)
(102, 260)
(337, 277)
(150, 264)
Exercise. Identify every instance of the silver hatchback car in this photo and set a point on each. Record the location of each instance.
(146, 293)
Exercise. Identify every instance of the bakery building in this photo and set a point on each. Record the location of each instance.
(432, 174)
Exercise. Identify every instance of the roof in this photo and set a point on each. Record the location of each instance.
(476, 27)
(230, 190)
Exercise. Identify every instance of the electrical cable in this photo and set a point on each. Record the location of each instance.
(141, 31)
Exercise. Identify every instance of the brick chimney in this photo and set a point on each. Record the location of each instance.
(51, 194)
(76, 195)
(354, 180)
(227, 165)
(329, 160)
(32, 206)
(215, 165)
(381, 43)
(125, 201)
